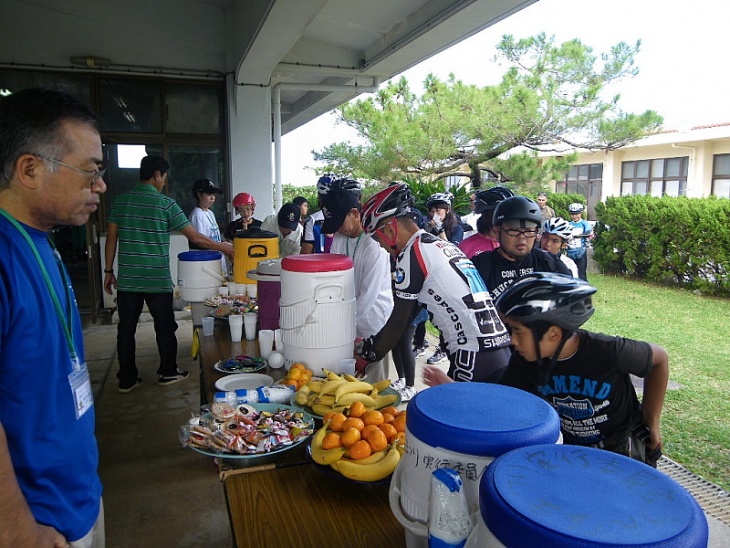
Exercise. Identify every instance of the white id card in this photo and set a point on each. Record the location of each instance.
(81, 390)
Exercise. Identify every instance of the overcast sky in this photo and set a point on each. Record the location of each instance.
(682, 63)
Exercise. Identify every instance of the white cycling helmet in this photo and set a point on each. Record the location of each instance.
(575, 207)
(559, 227)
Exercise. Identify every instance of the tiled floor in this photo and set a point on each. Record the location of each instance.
(158, 494)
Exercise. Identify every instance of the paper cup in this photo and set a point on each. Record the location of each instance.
(277, 341)
(223, 290)
(249, 323)
(266, 342)
(235, 322)
(208, 325)
(251, 290)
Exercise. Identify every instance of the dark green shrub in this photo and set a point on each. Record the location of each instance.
(684, 241)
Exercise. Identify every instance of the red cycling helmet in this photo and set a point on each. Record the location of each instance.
(242, 199)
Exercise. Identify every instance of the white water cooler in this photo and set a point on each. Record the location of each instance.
(317, 310)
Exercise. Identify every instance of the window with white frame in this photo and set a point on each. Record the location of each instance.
(721, 175)
(658, 177)
(579, 177)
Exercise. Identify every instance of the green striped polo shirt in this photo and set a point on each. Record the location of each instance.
(145, 218)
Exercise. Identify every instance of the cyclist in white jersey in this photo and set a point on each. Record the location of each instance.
(436, 274)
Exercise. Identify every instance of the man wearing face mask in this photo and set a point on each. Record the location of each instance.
(517, 220)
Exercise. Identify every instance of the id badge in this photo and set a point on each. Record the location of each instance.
(81, 389)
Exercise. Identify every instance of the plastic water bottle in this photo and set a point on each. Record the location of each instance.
(449, 522)
(262, 394)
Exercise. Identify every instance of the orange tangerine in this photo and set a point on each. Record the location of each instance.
(377, 440)
(297, 365)
(328, 416)
(360, 450)
(372, 416)
(388, 418)
(389, 431)
(400, 438)
(357, 409)
(290, 382)
(337, 422)
(390, 410)
(366, 431)
(350, 437)
(353, 422)
(294, 374)
(331, 441)
(400, 423)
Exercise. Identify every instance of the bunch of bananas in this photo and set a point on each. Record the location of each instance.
(338, 392)
(376, 467)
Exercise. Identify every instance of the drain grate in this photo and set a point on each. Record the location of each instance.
(713, 500)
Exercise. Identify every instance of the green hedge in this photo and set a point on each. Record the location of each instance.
(684, 241)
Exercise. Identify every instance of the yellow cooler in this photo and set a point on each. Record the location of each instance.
(249, 248)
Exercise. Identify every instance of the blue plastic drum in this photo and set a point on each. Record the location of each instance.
(464, 426)
(571, 496)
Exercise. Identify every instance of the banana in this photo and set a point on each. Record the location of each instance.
(327, 399)
(315, 386)
(369, 472)
(350, 387)
(373, 392)
(324, 456)
(329, 387)
(350, 378)
(349, 399)
(301, 396)
(331, 376)
(381, 385)
(311, 399)
(384, 400)
(321, 410)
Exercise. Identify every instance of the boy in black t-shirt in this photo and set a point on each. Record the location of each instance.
(585, 376)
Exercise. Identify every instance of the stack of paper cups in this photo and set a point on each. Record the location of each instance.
(235, 321)
(266, 342)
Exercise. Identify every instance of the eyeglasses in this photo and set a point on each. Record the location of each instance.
(94, 175)
(517, 232)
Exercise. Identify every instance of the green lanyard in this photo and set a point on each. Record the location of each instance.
(357, 243)
(64, 319)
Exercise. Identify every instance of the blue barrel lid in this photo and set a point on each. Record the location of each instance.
(199, 255)
(573, 496)
(481, 419)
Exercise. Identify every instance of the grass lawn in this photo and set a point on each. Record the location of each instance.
(696, 417)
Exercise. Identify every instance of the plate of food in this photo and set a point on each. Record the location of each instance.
(247, 431)
(243, 381)
(215, 301)
(240, 364)
(224, 310)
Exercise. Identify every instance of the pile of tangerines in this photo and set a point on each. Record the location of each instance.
(363, 432)
(297, 376)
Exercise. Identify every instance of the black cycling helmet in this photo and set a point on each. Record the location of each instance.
(395, 200)
(549, 298)
(488, 199)
(517, 208)
(345, 183)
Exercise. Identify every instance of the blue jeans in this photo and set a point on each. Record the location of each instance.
(129, 306)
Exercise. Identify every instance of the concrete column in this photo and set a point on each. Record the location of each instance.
(250, 142)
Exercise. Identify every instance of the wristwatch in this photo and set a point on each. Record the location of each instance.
(108, 271)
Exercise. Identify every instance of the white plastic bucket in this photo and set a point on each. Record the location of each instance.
(567, 495)
(199, 274)
(317, 309)
(465, 426)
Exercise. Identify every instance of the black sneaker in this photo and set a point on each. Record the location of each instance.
(419, 351)
(128, 389)
(437, 357)
(172, 379)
